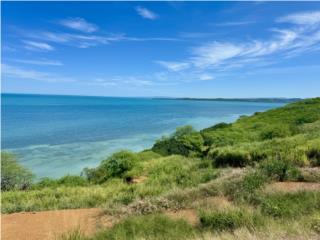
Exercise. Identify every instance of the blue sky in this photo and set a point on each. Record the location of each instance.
(176, 49)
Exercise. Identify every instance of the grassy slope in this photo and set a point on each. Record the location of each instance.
(174, 182)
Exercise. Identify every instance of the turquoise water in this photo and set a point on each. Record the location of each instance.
(58, 135)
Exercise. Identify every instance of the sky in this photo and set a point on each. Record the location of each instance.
(168, 49)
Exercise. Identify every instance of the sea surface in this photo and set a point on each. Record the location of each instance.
(59, 135)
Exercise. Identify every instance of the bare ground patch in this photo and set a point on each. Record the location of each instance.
(48, 225)
(292, 186)
(189, 215)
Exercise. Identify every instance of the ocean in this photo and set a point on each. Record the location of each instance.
(58, 135)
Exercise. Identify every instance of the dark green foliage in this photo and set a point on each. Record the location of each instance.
(114, 166)
(246, 189)
(217, 126)
(13, 175)
(231, 157)
(313, 155)
(67, 181)
(156, 227)
(183, 131)
(229, 220)
(275, 131)
(290, 204)
(280, 169)
(315, 224)
(185, 141)
(284, 131)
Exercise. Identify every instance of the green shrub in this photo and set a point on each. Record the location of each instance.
(246, 188)
(290, 204)
(313, 155)
(157, 227)
(114, 166)
(275, 131)
(13, 175)
(315, 224)
(148, 155)
(229, 156)
(280, 170)
(184, 141)
(230, 219)
(217, 126)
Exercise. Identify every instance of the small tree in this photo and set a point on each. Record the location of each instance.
(13, 175)
(114, 166)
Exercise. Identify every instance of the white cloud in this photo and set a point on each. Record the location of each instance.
(174, 66)
(146, 13)
(217, 58)
(302, 18)
(205, 77)
(79, 24)
(87, 40)
(231, 24)
(39, 62)
(214, 53)
(16, 72)
(31, 45)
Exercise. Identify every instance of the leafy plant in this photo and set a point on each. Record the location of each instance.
(114, 166)
(13, 175)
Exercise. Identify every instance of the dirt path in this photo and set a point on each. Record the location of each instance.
(292, 186)
(49, 225)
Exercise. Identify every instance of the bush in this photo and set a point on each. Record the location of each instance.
(148, 227)
(114, 166)
(315, 224)
(280, 170)
(290, 204)
(246, 189)
(217, 126)
(185, 141)
(229, 156)
(13, 175)
(313, 155)
(275, 131)
(229, 219)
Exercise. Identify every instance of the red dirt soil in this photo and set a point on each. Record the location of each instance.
(292, 186)
(48, 225)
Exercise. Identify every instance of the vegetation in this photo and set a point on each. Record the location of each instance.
(13, 175)
(142, 227)
(197, 170)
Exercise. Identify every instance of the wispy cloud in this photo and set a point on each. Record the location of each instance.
(283, 43)
(79, 24)
(235, 23)
(39, 62)
(121, 81)
(205, 77)
(146, 13)
(81, 40)
(16, 72)
(302, 18)
(31, 45)
(217, 53)
(174, 66)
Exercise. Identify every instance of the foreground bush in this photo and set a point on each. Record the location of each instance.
(229, 156)
(13, 175)
(157, 227)
(280, 169)
(68, 181)
(184, 141)
(246, 189)
(114, 166)
(290, 204)
(229, 220)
